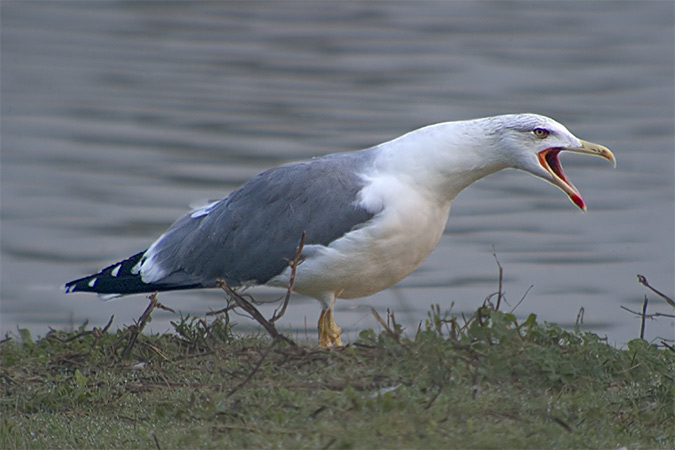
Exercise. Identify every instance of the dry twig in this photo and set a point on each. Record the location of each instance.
(154, 437)
(293, 265)
(393, 333)
(648, 316)
(136, 329)
(643, 315)
(221, 311)
(643, 281)
(96, 332)
(252, 311)
(500, 294)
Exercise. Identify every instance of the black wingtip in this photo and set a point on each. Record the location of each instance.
(121, 278)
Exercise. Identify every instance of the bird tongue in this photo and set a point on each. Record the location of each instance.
(553, 162)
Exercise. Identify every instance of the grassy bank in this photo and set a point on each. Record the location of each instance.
(487, 382)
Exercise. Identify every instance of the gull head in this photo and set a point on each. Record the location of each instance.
(532, 143)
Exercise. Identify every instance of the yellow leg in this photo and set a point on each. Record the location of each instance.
(329, 332)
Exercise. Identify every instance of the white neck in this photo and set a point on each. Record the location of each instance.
(442, 159)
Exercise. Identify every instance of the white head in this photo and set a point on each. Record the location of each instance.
(531, 142)
(445, 158)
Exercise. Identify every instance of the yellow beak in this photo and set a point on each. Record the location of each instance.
(549, 161)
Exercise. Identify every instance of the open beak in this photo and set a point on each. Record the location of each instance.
(549, 161)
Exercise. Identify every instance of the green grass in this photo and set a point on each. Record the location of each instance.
(491, 382)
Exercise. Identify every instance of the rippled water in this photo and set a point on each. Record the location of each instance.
(117, 116)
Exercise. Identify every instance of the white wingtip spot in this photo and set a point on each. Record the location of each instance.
(116, 270)
(137, 267)
(92, 282)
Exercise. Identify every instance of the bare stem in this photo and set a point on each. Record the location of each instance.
(252, 311)
(293, 265)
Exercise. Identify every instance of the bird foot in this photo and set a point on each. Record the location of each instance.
(329, 332)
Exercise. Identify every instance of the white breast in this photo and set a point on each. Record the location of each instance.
(372, 258)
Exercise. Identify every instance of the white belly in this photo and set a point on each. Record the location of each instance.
(370, 259)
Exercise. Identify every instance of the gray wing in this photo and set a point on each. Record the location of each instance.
(250, 236)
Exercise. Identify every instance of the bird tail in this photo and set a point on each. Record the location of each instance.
(118, 279)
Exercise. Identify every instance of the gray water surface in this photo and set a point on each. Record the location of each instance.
(117, 116)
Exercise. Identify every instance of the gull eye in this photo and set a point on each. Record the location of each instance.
(540, 133)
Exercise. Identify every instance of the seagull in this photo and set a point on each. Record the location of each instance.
(368, 218)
